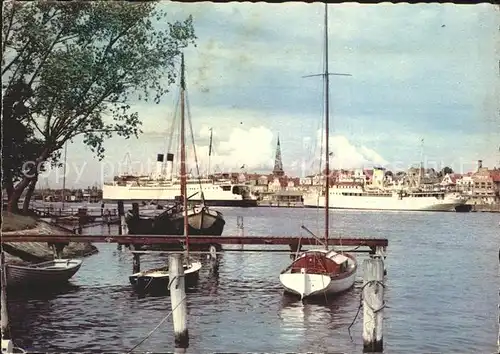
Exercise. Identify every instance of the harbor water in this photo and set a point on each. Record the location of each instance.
(441, 293)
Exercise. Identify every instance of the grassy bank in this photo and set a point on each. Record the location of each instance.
(14, 222)
(16, 252)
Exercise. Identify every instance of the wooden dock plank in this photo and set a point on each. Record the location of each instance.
(175, 239)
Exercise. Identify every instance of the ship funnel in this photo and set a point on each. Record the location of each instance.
(159, 165)
(170, 165)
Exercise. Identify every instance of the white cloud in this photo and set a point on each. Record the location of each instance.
(345, 154)
(253, 147)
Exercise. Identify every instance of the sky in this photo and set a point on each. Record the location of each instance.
(419, 71)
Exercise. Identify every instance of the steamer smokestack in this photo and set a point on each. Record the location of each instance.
(170, 165)
(159, 165)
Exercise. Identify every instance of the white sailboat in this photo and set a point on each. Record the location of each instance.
(321, 271)
(157, 280)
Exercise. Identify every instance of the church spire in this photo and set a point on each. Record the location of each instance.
(278, 164)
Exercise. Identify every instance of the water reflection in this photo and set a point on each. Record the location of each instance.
(21, 294)
(333, 310)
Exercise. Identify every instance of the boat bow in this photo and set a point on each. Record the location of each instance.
(304, 284)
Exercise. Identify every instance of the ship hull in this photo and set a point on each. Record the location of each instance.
(246, 203)
(199, 223)
(385, 203)
(212, 196)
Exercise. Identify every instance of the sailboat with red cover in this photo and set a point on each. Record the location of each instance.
(321, 271)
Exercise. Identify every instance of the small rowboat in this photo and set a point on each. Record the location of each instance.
(55, 272)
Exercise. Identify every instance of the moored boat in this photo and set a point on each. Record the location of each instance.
(201, 221)
(156, 281)
(55, 272)
(354, 196)
(321, 272)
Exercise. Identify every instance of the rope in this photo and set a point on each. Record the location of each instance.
(19, 350)
(355, 317)
(170, 139)
(194, 147)
(371, 282)
(157, 326)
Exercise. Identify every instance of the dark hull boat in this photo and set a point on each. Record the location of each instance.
(201, 221)
(156, 281)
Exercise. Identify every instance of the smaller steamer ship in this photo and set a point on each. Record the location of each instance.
(356, 195)
(343, 196)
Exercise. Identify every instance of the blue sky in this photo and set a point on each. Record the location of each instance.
(419, 71)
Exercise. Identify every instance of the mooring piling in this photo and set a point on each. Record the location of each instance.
(121, 215)
(135, 209)
(136, 263)
(373, 305)
(241, 227)
(380, 252)
(214, 261)
(177, 289)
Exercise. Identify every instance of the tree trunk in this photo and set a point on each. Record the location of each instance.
(13, 204)
(8, 183)
(29, 194)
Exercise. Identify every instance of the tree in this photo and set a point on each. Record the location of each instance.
(18, 141)
(446, 170)
(80, 65)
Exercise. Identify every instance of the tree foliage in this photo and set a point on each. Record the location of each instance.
(446, 170)
(81, 64)
(18, 141)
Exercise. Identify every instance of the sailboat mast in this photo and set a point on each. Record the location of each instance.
(421, 166)
(210, 152)
(327, 128)
(183, 157)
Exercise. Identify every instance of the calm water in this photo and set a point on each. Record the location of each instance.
(442, 293)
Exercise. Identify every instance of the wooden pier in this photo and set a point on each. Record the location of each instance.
(293, 241)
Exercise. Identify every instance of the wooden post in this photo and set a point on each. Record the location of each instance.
(373, 304)
(136, 263)
(294, 249)
(135, 209)
(178, 300)
(4, 320)
(241, 227)
(214, 262)
(121, 215)
(81, 221)
(380, 252)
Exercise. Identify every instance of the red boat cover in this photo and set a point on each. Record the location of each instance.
(315, 263)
